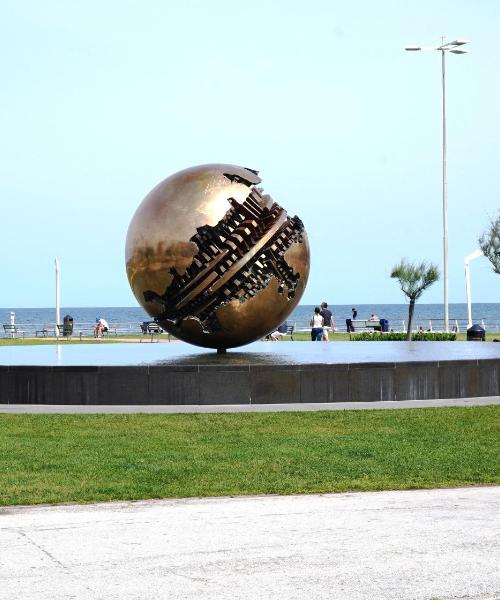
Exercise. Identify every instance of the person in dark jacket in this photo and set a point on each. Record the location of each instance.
(328, 322)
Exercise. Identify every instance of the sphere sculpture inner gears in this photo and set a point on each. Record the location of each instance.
(215, 261)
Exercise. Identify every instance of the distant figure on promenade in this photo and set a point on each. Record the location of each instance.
(348, 322)
(276, 335)
(328, 322)
(316, 324)
(101, 326)
(374, 317)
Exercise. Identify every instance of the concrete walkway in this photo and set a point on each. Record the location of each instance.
(385, 545)
(219, 408)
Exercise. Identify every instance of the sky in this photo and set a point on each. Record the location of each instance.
(100, 101)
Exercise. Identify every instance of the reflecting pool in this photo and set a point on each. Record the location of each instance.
(258, 353)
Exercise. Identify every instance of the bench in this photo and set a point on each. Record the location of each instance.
(11, 330)
(82, 332)
(90, 331)
(365, 324)
(152, 329)
(44, 332)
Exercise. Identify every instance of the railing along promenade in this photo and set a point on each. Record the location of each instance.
(400, 325)
(79, 328)
(124, 329)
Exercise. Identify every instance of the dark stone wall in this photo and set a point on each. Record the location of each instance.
(245, 384)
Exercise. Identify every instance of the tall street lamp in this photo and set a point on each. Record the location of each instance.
(58, 296)
(467, 259)
(454, 47)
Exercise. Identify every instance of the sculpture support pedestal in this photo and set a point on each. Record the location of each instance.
(264, 373)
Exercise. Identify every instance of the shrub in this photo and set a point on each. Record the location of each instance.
(430, 336)
(427, 336)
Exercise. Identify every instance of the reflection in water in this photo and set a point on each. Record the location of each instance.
(230, 359)
(259, 353)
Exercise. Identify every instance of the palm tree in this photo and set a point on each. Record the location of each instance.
(489, 243)
(413, 280)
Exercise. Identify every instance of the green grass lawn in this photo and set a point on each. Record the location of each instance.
(82, 458)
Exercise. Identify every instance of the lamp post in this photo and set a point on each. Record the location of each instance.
(58, 297)
(454, 47)
(467, 259)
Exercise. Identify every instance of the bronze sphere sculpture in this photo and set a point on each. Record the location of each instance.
(214, 260)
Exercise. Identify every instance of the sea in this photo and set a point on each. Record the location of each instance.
(428, 316)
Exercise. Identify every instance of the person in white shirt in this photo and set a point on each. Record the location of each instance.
(317, 323)
(276, 335)
(101, 325)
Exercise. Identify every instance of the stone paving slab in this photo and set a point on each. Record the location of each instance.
(214, 408)
(405, 545)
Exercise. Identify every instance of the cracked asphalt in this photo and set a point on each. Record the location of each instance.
(405, 545)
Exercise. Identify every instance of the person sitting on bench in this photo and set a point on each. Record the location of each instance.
(101, 326)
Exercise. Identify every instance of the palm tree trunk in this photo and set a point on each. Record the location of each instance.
(411, 309)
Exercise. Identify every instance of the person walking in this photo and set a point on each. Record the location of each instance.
(316, 324)
(328, 322)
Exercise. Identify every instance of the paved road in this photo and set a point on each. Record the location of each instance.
(413, 545)
(53, 408)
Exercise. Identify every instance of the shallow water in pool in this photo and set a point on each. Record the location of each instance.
(259, 353)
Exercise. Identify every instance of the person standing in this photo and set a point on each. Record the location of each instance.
(348, 322)
(316, 324)
(328, 322)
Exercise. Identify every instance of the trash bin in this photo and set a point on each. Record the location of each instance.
(67, 326)
(384, 325)
(476, 333)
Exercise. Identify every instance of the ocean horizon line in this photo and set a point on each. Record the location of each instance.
(474, 303)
